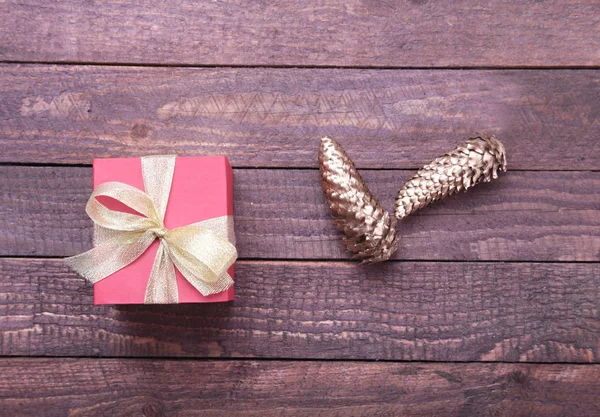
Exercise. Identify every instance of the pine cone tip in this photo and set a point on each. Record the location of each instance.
(496, 149)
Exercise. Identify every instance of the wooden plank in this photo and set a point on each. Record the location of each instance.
(434, 311)
(261, 117)
(544, 216)
(126, 387)
(315, 33)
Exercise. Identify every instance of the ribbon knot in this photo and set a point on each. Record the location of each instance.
(201, 251)
(160, 232)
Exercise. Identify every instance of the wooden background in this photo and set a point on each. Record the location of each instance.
(491, 306)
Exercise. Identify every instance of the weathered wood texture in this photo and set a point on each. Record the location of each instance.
(432, 311)
(289, 303)
(127, 387)
(548, 120)
(317, 33)
(548, 216)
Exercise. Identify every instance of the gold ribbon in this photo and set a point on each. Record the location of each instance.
(201, 251)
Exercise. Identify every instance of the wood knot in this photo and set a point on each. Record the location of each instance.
(140, 131)
(518, 378)
(153, 409)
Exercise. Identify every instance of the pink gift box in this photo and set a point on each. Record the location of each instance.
(202, 189)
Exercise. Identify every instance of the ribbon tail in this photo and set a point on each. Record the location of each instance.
(111, 255)
(203, 279)
(102, 234)
(162, 285)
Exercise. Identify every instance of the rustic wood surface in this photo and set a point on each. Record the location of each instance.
(416, 33)
(281, 214)
(267, 117)
(483, 282)
(108, 387)
(434, 311)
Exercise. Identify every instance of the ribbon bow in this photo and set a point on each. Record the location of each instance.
(201, 251)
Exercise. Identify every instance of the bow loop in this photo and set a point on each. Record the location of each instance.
(202, 251)
(194, 244)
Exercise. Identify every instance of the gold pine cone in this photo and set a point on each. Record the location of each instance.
(478, 159)
(369, 230)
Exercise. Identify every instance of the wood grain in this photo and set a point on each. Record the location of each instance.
(398, 83)
(434, 311)
(547, 216)
(548, 120)
(414, 33)
(126, 387)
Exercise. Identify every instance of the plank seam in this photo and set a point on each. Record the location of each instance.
(289, 359)
(346, 261)
(340, 67)
(249, 167)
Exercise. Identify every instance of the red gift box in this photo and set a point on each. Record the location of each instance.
(202, 189)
